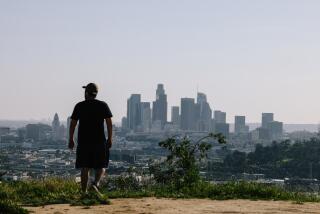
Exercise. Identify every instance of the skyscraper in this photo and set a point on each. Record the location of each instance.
(160, 91)
(220, 123)
(134, 111)
(220, 117)
(58, 131)
(240, 125)
(146, 116)
(175, 115)
(266, 118)
(203, 113)
(187, 114)
(201, 98)
(55, 123)
(160, 106)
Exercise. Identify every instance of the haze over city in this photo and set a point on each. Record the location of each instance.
(248, 57)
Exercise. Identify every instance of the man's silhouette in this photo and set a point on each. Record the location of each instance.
(93, 147)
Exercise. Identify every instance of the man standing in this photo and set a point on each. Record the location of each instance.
(93, 147)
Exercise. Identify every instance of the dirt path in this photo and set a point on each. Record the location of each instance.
(171, 206)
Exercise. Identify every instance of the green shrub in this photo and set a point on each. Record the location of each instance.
(181, 167)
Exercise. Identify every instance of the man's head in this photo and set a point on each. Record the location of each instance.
(91, 91)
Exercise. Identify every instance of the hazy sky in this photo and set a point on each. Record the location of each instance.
(247, 56)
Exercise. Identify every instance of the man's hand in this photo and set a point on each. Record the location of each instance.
(71, 133)
(109, 143)
(109, 126)
(71, 144)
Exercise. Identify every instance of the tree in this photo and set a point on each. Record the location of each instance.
(181, 167)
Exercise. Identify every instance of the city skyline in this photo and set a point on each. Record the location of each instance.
(193, 115)
(227, 117)
(248, 57)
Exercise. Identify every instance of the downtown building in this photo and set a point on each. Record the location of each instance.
(58, 130)
(134, 112)
(188, 114)
(146, 120)
(138, 115)
(175, 115)
(203, 114)
(160, 108)
(220, 123)
(196, 116)
(240, 126)
(270, 129)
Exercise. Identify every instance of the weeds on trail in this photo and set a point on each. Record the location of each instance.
(48, 191)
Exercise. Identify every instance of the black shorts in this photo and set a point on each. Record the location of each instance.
(92, 156)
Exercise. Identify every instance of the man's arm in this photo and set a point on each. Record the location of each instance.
(109, 126)
(71, 133)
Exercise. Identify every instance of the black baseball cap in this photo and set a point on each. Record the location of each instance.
(91, 88)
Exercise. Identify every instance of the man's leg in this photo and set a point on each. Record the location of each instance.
(98, 176)
(84, 179)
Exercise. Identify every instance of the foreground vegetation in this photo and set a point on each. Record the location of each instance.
(177, 177)
(59, 191)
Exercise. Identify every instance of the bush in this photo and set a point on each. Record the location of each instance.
(181, 167)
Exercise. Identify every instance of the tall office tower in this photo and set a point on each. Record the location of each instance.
(160, 106)
(134, 112)
(240, 125)
(266, 118)
(197, 112)
(203, 112)
(187, 114)
(221, 125)
(160, 91)
(146, 116)
(175, 115)
(201, 98)
(220, 117)
(55, 123)
(57, 130)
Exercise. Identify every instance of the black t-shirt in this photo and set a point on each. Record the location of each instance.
(91, 115)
